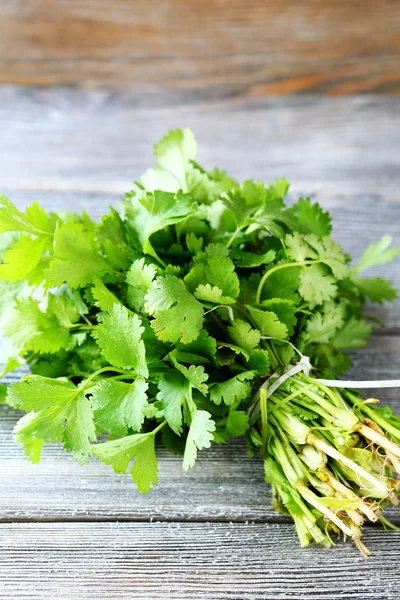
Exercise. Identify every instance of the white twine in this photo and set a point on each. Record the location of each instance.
(304, 366)
(378, 383)
(228, 308)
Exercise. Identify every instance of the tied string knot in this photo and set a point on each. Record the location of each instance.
(275, 381)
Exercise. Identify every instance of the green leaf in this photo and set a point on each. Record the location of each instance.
(311, 218)
(113, 241)
(149, 213)
(220, 271)
(298, 249)
(352, 335)
(22, 257)
(321, 327)
(139, 278)
(172, 442)
(119, 337)
(244, 335)
(234, 425)
(203, 345)
(282, 284)
(268, 323)
(213, 275)
(77, 260)
(212, 294)
(195, 375)
(155, 349)
(33, 221)
(104, 298)
(237, 423)
(232, 390)
(377, 290)
(273, 472)
(237, 211)
(200, 436)
(194, 243)
(119, 453)
(249, 260)
(3, 393)
(336, 360)
(31, 329)
(225, 353)
(173, 391)
(158, 179)
(377, 254)
(203, 187)
(284, 310)
(330, 254)
(316, 286)
(174, 152)
(57, 412)
(119, 406)
(178, 315)
(259, 362)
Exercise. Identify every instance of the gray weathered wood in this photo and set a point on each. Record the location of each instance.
(224, 485)
(99, 141)
(189, 561)
(78, 150)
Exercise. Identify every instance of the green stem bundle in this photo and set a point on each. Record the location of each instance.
(330, 467)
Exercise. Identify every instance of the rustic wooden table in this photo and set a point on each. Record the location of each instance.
(71, 532)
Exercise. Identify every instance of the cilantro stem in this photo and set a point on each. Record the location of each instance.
(287, 399)
(302, 263)
(98, 372)
(157, 429)
(233, 237)
(264, 420)
(373, 414)
(128, 375)
(160, 260)
(272, 355)
(87, 320)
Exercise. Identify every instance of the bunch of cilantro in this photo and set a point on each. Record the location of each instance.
(164, 320)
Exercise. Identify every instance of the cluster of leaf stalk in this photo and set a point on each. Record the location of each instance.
(171, 317)
(328, 457)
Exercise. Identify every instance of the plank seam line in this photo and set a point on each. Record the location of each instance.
(198, 520)
(102, 519)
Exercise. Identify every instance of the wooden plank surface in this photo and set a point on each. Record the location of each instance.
(172, 561)
(225, 484)
(198, 48)
(72, 140)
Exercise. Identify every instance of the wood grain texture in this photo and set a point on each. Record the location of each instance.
(74, 149)
(189, 561)
(71, 140)
(191, 49)
(225, 484)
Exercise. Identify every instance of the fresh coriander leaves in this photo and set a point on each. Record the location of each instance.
(119, 336)
(178, 316)
(170, 314)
